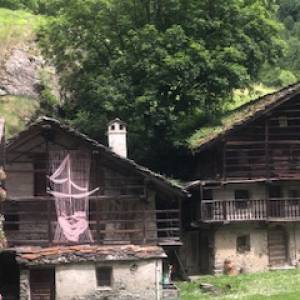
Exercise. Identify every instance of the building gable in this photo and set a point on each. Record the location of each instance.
(265, 145)
(46, 131)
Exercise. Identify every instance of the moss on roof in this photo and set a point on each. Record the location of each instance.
(238, 117)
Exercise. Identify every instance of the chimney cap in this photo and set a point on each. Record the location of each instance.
(118, 121)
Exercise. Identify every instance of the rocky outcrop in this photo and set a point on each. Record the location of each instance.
(20, 73)
(23, 72)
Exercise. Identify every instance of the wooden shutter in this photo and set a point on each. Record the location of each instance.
(42, 284)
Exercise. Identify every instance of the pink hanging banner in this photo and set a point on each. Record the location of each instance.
(70, 187)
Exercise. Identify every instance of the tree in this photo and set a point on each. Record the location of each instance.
(161, 65)
(19, 4)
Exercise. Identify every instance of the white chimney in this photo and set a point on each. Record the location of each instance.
(117, 137)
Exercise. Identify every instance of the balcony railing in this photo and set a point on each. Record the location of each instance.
(273, 209)
(34, 222)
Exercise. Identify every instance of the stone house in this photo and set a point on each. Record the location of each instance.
(245, 205)
(81, 220)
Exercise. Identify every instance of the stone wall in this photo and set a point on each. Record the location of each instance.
(257, 259)
(250, 261)
(136, 280)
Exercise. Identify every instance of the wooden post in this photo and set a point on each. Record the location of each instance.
(224, 160)
(97, 222)
(201, 199)
(49, 213)
(49, 221)
(144, 212)
(179, 200)
(267, 162)
(267, 201)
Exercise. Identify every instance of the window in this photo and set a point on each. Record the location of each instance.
(112, 127)
(104, 276)
(275, 191)
(243, 243)
(207, 195)
(241, 198)
(121, 127)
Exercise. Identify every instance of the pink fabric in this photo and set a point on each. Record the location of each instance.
(69, 186)
(73, 226)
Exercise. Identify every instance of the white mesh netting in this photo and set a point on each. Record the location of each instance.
(69, 185)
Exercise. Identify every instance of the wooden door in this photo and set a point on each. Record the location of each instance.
(42, 284)
(277, 246)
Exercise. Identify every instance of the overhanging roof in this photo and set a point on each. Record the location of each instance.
(246, 113)
(155, 178)
(86, 253)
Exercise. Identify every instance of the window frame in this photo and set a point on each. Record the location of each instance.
(241, 202)
(98, 279)
(245, 246)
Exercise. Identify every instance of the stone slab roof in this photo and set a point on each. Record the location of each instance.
(86, 253)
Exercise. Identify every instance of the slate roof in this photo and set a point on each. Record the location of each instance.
(83, 253)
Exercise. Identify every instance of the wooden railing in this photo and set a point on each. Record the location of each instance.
(277, 209)
(34, 222)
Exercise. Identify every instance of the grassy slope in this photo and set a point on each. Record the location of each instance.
(17, 29)
(279, 285)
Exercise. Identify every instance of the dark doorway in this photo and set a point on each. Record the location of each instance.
(42, 284)
(9, 276)
(204, 252)
(277, 246)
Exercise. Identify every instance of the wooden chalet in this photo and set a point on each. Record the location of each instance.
(133, 212)
(245, 188)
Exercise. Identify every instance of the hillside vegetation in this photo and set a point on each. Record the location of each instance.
(22, 68)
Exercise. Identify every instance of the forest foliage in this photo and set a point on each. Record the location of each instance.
(166, 67)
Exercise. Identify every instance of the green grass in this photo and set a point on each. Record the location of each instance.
(17, 27)
(279, 285)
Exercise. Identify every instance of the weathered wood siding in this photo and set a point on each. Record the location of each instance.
(124, 210)
(268, 147)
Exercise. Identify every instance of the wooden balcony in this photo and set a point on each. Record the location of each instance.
(34, 222)
(273, 209)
